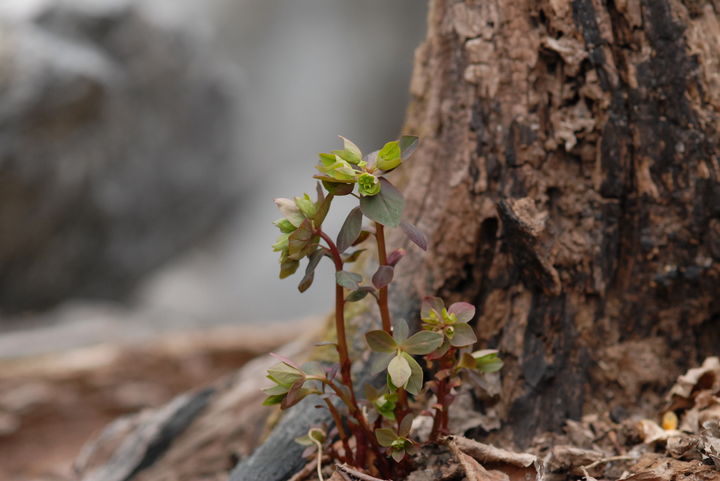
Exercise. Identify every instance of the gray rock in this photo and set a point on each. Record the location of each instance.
(116, 148)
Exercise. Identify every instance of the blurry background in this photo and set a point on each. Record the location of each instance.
(141, 146)
(142, 143)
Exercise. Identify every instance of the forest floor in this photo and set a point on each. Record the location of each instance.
(51, 405)
(683, 444)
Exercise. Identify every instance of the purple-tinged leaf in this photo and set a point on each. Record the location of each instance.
(441, 351)
(395, 256)
(320, 192)
(385, 436)
(285, 360)
(362, 237)
(313, 261)
(415, 235)
(386, 207)
(405, 425)
(349, 280)
(359, 294)
(332, 371)
(408, 144)
(423, 342)
(430, 304)
(301, 241)
(350, 229)
(294, 395)
(464, 311)
(323, 209)
(380, 341)
(383, 276)
(337, 188)
(398, 455)
(464, 335)
(288, 268)
(347, 258)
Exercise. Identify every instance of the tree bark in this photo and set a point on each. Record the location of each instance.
(568, 180)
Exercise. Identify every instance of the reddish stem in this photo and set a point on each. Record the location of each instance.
(342, 346)
(440, 423)
(383, 299)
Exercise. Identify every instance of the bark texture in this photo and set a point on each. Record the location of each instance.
(568, 180)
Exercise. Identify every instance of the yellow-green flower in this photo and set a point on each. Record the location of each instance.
(368, 184)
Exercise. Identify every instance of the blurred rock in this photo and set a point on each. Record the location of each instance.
(116, 148)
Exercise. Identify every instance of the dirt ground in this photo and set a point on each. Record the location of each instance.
(51, 405)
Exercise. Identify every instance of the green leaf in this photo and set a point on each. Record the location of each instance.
(386, 207)
(380, 341)
(466, 361)
(348, 280)
(272, 400)
(284, 375)
(408, 144)
(405, 425)
(350, 229)
(487, 361)
(389, 157)
(383, 276)
(399, 370)
(415, 382)
(277, 389)
(464, 335)
(379, 361)
(284, 225)
(423, 342)
(306, 206)
(385, 405)
(400, 330)
(351, 152)
(313, 261)
(385, 436)
(301, 241)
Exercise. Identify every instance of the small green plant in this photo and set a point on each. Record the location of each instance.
(377, 427)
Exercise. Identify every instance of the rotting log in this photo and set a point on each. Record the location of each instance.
(568, 180)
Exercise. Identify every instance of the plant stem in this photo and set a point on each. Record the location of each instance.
(440, 423)
(382, 259)
(341, 431)
(345, 363)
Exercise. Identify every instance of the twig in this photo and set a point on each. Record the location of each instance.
(350, 474)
